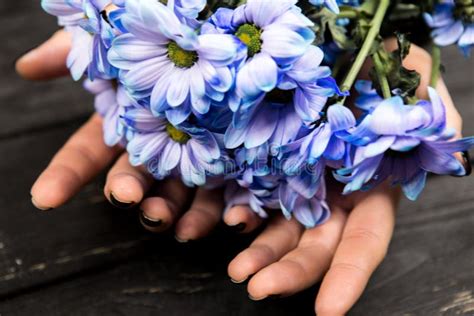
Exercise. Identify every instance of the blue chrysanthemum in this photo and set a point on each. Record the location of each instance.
(276, 117)
(190, 151)
(403, 143)
(308, 210)
(256, 198)
(276, 35)
(321, 142)
(92, 35)
(164, 58)
(294, 196)
(111, 102)
(453, 22)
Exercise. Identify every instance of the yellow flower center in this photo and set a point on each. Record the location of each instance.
(180, 57)
(250, 35)
(177, 135)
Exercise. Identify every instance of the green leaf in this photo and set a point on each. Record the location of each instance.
(404, 80)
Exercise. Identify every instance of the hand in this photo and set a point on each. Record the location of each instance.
(85, 155)
(344, 252)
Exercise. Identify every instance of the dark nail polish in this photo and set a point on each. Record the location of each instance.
(120, 204)
(239, 227)
(150, 222)
(467, 162)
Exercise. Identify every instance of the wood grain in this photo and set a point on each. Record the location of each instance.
(88, 258)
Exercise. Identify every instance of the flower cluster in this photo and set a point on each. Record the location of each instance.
(452, 22)
(242, 96)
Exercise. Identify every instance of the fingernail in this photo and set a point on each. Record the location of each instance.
(150, 222)
(181, 241)
(467, 162)
(238, 282)
(120, 204)
(41, 208)
(238, 228)
(256, 299)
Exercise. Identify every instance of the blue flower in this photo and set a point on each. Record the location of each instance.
(333, 5)
(92, 35)
(308, 210)
(270, 123)
(404, 143)
(111, 102)
(276, 35)
(252, 164)
(190, 151)
(258, 198)
(452, 23)
(275, 192)
(277, 117)
(188, 10)
(163, 58)
(325, 141)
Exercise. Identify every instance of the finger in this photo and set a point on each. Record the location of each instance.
(273, 243)
(363, 246)
(161, 211)
(303, 266)
(82, 157)
(242, 219)
(47, 61)
(203, 215)
(126, 185)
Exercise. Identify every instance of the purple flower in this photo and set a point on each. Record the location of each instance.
(260, 194)
(270, 123)
(111, 102)
(452, 22)
(325, 141)
(190, 151)
(308, 210)
(277, 117)
(273, 192)
(276, 35)
(164, 58)
(404, 143)
(92, 35)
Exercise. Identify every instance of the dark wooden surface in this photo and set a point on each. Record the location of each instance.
(88, 258)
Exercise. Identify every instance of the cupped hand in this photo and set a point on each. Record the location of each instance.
(344, 252)
(85, 155)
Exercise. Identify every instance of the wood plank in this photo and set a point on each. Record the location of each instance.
(25, 105)
(39, 247)
(459, 77)
(428, 272)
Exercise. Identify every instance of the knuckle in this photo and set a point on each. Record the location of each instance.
(364, 235)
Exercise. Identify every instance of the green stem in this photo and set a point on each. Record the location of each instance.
(436, 66)
(383, 81)
(348, 15)
(367, 46)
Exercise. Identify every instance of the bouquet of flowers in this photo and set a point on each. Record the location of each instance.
(253, 95)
